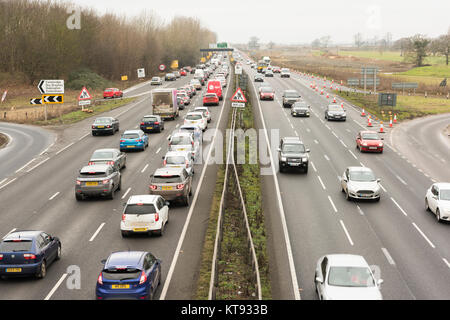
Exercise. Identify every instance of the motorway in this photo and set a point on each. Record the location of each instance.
(42, 198)
(406, 243)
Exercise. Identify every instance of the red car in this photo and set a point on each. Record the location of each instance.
(112, 93)
(183, 73)
(210, 99)
(276, 70)
(266, 93)
(369, 141)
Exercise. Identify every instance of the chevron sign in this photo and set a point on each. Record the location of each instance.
(36, 101)
(52, 98)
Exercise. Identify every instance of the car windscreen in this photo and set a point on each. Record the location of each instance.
(362, 176)
(150, 119)
(15, 246)
(175, 160)
(155, 79)
(102, 155)
(335, 108)
(127, 136)
(445, 194)
(300, 105)
(370, 136)
(293, 148)
(350, 277)
(180, 140)
(167, 179)
(102, 121)
(144, 208)
(291, 95)
(194, 116)
(285, 70)
(121, 274)
(108, 90)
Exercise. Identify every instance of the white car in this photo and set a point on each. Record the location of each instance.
(222, 80)
(205, 111)
(145, 214)
(156, 81)
(346, 277)
(437, 200)
(179, 159)
(360, 183)
(196, 118)
(196, 83)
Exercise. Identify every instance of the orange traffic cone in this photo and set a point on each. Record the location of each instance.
(381, 127)
(334, 99)
(369, 121)
(321, 92)
(363, 113)
(328, 95)
(395, 118)
(390, 122)
(342, 105)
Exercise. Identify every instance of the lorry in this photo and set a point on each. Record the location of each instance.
(164, 103)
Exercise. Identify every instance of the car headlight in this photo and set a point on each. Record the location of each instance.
(380, 145)
(305, 159)
(283, 158)
(364, 144)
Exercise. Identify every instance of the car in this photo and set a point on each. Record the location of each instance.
(285, 73)
(292, 154)
(188, 91)
(222, 79)
(183, 141)
(253, 65)
(177, 74)
(210, 99)
(129, 275)
(205, 111)
(276, 69)
(267, 93)
(170, 77)
(179, 159)
(263, 85)
(268, 73)
(112, 93)
(151, 123)
(156, 81)
(196, 83)
(144, 214)
(28, 253)
(196, 118)
(300, 108)
(346, 277)
(98, 180)
(360, 183)
(369, 141)
(437, 200)
(184, 97)
(193, 70)
(105, 125)
(133, 140)
(258, 78)
(109, 156)
(290, 97)
(215, 86)
(183, 73)
(180, 102)
(335, 112)
(193, 128)
(174, 184)
(193, 89)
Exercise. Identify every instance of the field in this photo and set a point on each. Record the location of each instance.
(389, 56)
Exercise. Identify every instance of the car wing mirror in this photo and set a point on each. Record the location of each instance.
(279, 149)
(380, 281)
(103, 261)
(308, 150)
(319, 279)
(378, 180)
(167, 203)
(382, 138)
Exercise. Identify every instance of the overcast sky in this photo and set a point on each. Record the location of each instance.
(296, 21)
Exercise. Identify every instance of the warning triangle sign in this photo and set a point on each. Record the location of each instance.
(84, 94)
(238, 96)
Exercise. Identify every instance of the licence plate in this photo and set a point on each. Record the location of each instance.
(92, 183)
(182, 149)
(120, 286)
(373, 148)
(166, 188)
(100, 127)
(14, 270)
(294, 164)
(130, 146)
(140, 229)
(149, 127)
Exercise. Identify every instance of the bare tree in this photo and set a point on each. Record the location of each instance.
(442, 45)
(358, 40)
(416, 49)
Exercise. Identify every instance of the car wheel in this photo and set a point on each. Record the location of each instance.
(378, 199)
(160, 232)
(347, 196)
(186, 201)
(94, 134)
(124, 234)
(58, 254)
(42, 271)
(119, 187)
(427, 207)
(306, 170)
(438, 215)
(111, 195)
(78, 196)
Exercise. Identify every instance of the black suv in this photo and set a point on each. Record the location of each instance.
(290, 97)
(292, 153)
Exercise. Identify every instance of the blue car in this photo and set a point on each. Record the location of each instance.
(152, 123)
(28, 253)
(133, 140)
(129, 275)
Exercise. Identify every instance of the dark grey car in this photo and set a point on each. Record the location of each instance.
(105, 125)
(290, 97)
(300, 109)
(292, 154)
(109, 156)
(97, 180)
(335, 112)
(172, 184)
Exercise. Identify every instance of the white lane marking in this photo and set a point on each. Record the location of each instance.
(316, 142)
(123, 197)
(25, 165)
(382, 187)
(96, 232)
(81, 138)
(335, 134)
(53, 196)
(157, 151)
(332, 203)
(360, 210)
(38, 165)
(9, 233)
(388, 256)
(308, 130)
(328, 127)
(352, 154)
(346, 232)
(177, 125)
(47, 148)
(313, 166)
(296, 133)
(362, 164)
(342, 142)
(326, 157)
(424, 236)
(323, 186)
(348, 130)
(446, 262)
(401, 180)
(11, 181)
(403, 211)
(56, 287)
(3, 180)
(68, 146)
(145, 168)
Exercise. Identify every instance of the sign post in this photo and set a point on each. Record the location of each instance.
(52, 93)
(84, 98)
(238, 99)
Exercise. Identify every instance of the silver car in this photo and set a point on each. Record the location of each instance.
(179, 159)
(98, 180)
(183, 141)
(360, 183)
(109, 156)
(205, 111)
(156, 81)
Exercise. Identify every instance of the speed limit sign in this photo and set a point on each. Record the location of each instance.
(162, 67)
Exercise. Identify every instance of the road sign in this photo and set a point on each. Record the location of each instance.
(238, 69)
(238, 96)
(353, 82)
(387, 99)
(36, 101)
(369, 81)
(405, 85)
(52, 98)
(203, 60)
(174, 64)
(162, 67)
(84, 102)
(84, 94)
(369, 70)
(124, 78)
(141, 73)
(51, 86)
(238, 104)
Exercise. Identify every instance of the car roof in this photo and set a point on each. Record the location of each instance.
(291, 139)
(168, 171)
(195, 113)
(95, 168)
(106, 150)
(144, 198)
(177, 153)
(442, 185)
(24, 235)
(359, 169)
(182, 133)
(151, 115)
(125, 258)
(346, 260)
(132, 131)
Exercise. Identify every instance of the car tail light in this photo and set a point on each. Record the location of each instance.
(110, 162)
(106, 181)
(91, 163)
(140, 140)
(164, 162)
(156, 217)
(29, 256)
(78, 182)
(122, 140)
(192, 143)
(153, 187)
(1, 257)
(93, 127)
(123, 216)
(180, 186)
(108, 126)
(100, 279)
(143, 278)
(156, 123)
(142, 123)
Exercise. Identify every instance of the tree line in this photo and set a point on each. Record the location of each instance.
(36, 41)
